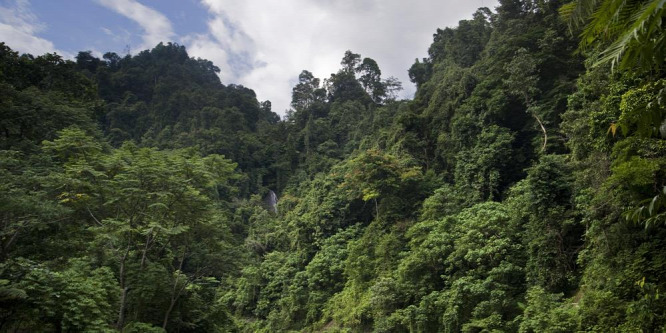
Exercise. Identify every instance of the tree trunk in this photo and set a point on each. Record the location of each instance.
(543, 129)
(123, 292)
(166, 316)
(145, 249)
(175, 294)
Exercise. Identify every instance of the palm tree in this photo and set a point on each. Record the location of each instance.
(633, 30)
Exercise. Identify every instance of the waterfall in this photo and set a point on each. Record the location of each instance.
(271, 200)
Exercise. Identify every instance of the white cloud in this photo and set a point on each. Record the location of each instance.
(265, 44)
(203, 46)
(157, 27)
(279, 38)
(119, 36)
(108, 32)
(19, 27)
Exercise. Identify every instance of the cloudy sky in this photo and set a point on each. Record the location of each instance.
(261, 44)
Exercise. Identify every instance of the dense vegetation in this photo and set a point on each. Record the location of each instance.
(523, 189)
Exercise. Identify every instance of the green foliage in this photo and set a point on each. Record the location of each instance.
(643, 110)
(516, 192)
(378, 174)
(152, 225)
(547, 313)
(479, 170)
(80, 298)
(142, 327)
(630, 31)
(476, 260)
(651, 212)
(553, 236)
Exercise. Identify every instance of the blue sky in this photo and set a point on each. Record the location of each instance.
(262, 44)
(75, 25)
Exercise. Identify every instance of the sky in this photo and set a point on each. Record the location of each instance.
(261, 44)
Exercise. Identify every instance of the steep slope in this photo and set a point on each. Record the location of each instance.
(522, 190)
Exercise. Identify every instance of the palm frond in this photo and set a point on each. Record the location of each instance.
(636, 45)
(578, 12)
(632, 28)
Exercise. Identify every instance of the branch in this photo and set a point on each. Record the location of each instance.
(93, 216)
(543, 129)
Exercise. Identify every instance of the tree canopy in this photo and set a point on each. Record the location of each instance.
(522, 189)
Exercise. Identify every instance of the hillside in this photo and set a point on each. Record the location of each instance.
(523, 189)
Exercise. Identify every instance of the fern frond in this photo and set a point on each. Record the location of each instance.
(10, 293)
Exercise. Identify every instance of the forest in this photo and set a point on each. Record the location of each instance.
(522, 189)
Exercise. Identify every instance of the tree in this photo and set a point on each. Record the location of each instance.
(419, 72)
(523, 81)
(376, 174)
(156, 217)
(631, 33)
(86, 61)
(371, 79)
(350, 61)
(306, 92)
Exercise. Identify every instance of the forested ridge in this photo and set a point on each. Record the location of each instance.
(523, 189)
